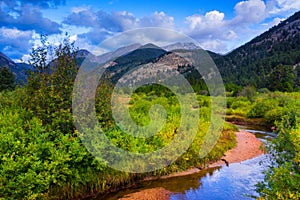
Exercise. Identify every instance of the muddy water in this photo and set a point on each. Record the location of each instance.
(237, 181)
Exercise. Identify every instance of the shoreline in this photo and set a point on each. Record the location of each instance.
(247, 147)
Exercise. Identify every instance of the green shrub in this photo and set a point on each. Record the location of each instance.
(262, 106)
(282, 180)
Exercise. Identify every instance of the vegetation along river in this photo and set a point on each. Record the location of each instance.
(236, 181)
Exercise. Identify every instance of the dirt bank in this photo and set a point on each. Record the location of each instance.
(149, 194)
(248, 146)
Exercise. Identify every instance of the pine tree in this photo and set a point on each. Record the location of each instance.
(7, 79)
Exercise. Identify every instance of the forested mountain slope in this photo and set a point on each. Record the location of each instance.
(256, 62)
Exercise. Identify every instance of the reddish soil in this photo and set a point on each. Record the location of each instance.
(248, 146)
(149, 194)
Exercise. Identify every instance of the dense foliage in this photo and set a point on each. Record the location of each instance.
(41, 155)
(270, 106)
(260, 61)
(7, 79)
(282, 180)
(281, 110)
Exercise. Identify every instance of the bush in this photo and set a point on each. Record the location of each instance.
(262, 106)
(282, 180)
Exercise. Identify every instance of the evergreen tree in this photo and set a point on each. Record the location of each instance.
(50, 85)
(282, 78)
(7, 79)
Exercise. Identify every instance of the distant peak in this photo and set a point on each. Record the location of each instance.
(182, 45)
(83, 52)
(149, 46)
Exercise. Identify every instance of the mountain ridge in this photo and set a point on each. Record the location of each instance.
(253, 62)
(250, 64)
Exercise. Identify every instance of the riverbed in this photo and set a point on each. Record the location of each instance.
(236, 181)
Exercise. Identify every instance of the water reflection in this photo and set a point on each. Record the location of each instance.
(234, 182)
(237, 181)
(176, 185)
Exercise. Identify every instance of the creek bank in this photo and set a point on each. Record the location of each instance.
(248, 146)
(256, 123)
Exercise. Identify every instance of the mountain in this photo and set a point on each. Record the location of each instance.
(270, 58)
(117, 53)
(18, 69)
(5, 61)
(180, 45)
(127, 62)
(256, 61)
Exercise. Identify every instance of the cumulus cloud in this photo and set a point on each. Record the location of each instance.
(211, 30)
(214, 45)
(81, 17)
(116, 21)
(26, 17)
(274, 22)
(209, 24)
(105, 24)
(251, 11)
(15, 42)
(20, 20)
(45, 4)
(218, 34)
(101, 20)
(284, 7)
(158, 19)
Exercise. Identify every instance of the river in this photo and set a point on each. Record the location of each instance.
(236, 181)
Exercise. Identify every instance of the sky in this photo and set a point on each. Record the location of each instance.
(217, 25)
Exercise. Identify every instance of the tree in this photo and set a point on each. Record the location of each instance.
(249, 92)
(233, 89)
(7, 79)
(282, 78)
(50, 85)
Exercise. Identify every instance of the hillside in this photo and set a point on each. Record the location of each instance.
(18, 69)
(140, 56)
(254, 62)
(271, 60)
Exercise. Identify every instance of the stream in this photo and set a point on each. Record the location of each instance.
(236, 181)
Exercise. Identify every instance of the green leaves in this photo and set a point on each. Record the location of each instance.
(282, 180)
(50, 86)
(7, 79)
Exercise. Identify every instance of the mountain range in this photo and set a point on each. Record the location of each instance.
(250, 64)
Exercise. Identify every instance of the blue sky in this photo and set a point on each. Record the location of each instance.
(218, 25)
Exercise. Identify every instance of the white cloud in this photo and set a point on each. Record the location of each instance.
(211, 30)
(251, 11)
(80, 9)
(158, 19)
(14, 33)
(15, 42)
(219, 34)
(25, 58)
(104, 25)
(211, 21)
(73, 38)
(125, 19)
(214, 45)
(157, 36)
(27, 18)
(282, 6)
(275, 21)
